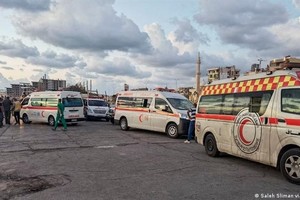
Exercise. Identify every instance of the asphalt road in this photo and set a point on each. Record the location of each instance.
(96, 160)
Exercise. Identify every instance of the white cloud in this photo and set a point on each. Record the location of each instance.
(164, 53)
(7, 68)
(245, 24)
(16, 48)
(119, 67)
(52, 59)
(92, 26)
(186, 38)
(297, 3)
(28, 5)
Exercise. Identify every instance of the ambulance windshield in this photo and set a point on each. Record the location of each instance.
(97, 103)
(180, 104)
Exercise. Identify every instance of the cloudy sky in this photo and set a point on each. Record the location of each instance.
(144, 43)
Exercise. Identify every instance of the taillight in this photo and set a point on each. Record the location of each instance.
(298, 74)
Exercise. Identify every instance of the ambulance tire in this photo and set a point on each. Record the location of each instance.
(51, 120)
(172, 130)
(290, 165)
(25, 119)
(124, 124)
(211, 146)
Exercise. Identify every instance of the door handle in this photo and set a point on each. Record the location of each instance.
(281, 120)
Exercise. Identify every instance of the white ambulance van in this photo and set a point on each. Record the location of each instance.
(256, 117)
(42, 107)
(96, 108)
(153, 110)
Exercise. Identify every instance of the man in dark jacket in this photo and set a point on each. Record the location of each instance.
(7, 107)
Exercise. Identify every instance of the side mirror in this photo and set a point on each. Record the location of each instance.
(166, 108)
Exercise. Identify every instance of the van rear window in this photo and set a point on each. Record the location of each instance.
(290, 101)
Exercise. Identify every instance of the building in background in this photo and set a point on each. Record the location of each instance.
(287, 62)
(218, 73)
(44, 84)
(3, 93)
(18, 90)
(126, 87)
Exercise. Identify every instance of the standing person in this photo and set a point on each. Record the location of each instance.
(1, 113)
(60, 115)
(191, 132)
(17, 109)
(7, 108)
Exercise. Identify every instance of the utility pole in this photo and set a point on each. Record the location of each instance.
(260, 60)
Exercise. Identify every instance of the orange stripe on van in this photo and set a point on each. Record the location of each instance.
(134, 109)
(147, 110)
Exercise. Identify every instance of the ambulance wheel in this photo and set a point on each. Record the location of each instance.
(172, 130)
(25, 119)
(290, 165)
(211, 146)
(124, 124)
(51, 120)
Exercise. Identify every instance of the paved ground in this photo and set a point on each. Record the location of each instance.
(96, 160)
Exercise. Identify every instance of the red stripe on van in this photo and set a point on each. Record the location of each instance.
(216, 116)
(293, 122)
(39, 108)
(273, 120)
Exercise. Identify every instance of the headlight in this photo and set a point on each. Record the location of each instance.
(184, 116)
(89, 110)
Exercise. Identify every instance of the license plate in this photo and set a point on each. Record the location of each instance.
(74, 120)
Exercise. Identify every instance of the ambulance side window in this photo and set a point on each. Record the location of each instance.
(210, 104)
(25, 101)
(141, 102)
(160, 104)
(241, 101)
(227, 104)
(147, 102)
(290, 101)
(52, 102)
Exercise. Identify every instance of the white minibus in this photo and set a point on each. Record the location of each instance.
(42, 107)
(153, 110)
(256, 117)
(96, 108)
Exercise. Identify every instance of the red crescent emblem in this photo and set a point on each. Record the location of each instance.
(241, 133)
(140, 118)
(42, 113)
